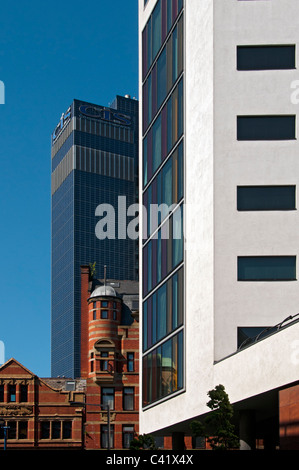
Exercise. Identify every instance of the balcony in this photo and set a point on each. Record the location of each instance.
(104, 370)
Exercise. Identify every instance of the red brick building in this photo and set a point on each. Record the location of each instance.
(39, 412)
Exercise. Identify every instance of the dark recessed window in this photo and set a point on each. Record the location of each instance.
(23, 430)
(265, 57)
(45, 429)
(266, 127)
(108, 397)
(103, 361)
(263, 198)
(130, 362)
(11, 393)
(105, 436)
(56, 429)
(24, 392)
(66, 429)
(266, 268)
(128, 436)
(128, 398)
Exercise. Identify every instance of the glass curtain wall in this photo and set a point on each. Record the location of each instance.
(163, 198)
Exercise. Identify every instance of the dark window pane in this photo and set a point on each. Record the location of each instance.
(130, 362)
(24, 392)
(128, 436)
(105, 435)
(157, 29)
(128, 398)
(11, 393)
(108, 397)
(161, 78)
(67, 430)
(254, 198)
(265, 57)
(104, 314)
(266, 268)
(266, 127)
(12, 429)
(23, 429)
(1, 393)
(45, 430)
(56, 426)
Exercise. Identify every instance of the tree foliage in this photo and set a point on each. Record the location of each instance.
(217, 426)
(142, 442)
(93, 271)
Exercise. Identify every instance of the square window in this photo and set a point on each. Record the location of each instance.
(104, 314)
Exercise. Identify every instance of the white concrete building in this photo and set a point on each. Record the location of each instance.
(218, 120)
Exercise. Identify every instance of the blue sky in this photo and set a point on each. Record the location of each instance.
(50, 53)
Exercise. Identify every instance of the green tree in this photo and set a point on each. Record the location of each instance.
(93, 271)
(142, 442)
(217, 426)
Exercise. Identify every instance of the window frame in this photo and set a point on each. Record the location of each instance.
(268, 48)
(250, 133)
(243, 278)
(129, 398)
(246, 206)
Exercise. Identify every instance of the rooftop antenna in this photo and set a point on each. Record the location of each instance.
(105, 269)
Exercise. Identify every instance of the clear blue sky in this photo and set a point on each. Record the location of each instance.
(50, 53)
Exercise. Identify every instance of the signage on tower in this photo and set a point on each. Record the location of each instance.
(105, 114)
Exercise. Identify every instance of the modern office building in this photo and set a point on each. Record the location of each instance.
(94, 181)
(218, 88)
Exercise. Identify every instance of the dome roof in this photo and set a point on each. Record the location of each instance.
(101, 291)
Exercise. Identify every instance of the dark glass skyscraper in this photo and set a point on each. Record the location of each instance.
(94, 162)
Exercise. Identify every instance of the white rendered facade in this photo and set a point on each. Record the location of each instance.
(216, 163)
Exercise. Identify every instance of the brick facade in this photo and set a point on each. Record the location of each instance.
(109, 361)
(289, 418)
(39, 414)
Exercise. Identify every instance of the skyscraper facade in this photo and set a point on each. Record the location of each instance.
(163, 198)
(219, 91)
(94, 182)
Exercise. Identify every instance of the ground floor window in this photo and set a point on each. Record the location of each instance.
(56, 429)
(105, 431)
(128, 436)
(15, 430)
